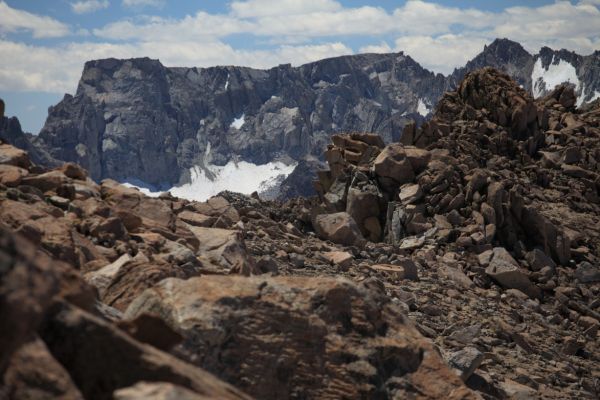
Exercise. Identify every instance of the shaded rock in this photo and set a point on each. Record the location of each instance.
(34, 374)
(504, 269)
(339, 228)
(587, 273)
(224, 248)
(238, 323)
(98, 376)
(465, 361)
(393, 163)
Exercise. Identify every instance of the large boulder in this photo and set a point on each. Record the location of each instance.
(506, 271)
(291, 337)
(225, 249)
(393, 163)
(339, 228)
(100, 358)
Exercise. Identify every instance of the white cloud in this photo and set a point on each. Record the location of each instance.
(195, 27)
(441, 54)
(88, 6)
(267, 8)
(143, 3)
(14, 20)
(382, 47)
(63, 65)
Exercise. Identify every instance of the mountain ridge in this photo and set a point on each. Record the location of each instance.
(138, 120)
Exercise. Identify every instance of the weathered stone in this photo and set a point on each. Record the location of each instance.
(343, 259)
(232, 324)
(504, 269)
(393, 163)
(587, 273)
(34, 374)
(11, 175)
(339, 228)
(225, 249)
(10, 155)
(98, 375)
(465, 361)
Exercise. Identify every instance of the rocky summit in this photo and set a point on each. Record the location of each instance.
(461, 261)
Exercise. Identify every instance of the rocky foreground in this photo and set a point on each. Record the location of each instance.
(463, 263)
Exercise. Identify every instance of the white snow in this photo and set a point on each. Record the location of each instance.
(422, 108)
(238, 122)
(242, 177)
(556, 74)
(227, 82)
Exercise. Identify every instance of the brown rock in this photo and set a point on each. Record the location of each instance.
(226, 249)
(10, 155)
(105, 359)
(46, 181)
(504, 269)
(339, 228)
(157, 391)
(341, 258)
(282, 337)
(11, 175)
(393, 163)
(34, 374)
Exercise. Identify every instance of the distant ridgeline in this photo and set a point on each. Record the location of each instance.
(140, 122)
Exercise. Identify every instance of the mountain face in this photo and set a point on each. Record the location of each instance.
(138, 121)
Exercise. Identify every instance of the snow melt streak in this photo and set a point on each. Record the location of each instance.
(242, 177)
(554, 75)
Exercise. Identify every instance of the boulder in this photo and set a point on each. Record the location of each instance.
(339, 228)
(505, 270)
(343, 259)
(394, 163)
(47, 181)
(10, 155)
(157, 391)
(225, 249)
(11, 175)
(284, 337)
(105, 359)
(34, 374)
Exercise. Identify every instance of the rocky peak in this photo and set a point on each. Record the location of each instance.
(505, 55)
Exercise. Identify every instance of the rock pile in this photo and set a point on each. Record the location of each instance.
(501, 189)
(128, 296)
(462, 263)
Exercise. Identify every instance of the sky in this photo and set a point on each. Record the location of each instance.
(44, 43)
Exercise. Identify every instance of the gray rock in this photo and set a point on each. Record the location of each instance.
(587, 273)
(465, 361)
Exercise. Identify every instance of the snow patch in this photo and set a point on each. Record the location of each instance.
(555, 74)
(422, 108)
(242, 177)
(238, 122)
(227, 82)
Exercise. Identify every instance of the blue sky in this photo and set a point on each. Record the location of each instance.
(43, 44)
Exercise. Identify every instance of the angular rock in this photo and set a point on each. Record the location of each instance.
(393, 163)
(234, 324)
(465, 361)
(504, 269)
(339, 228)
(224, 248)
